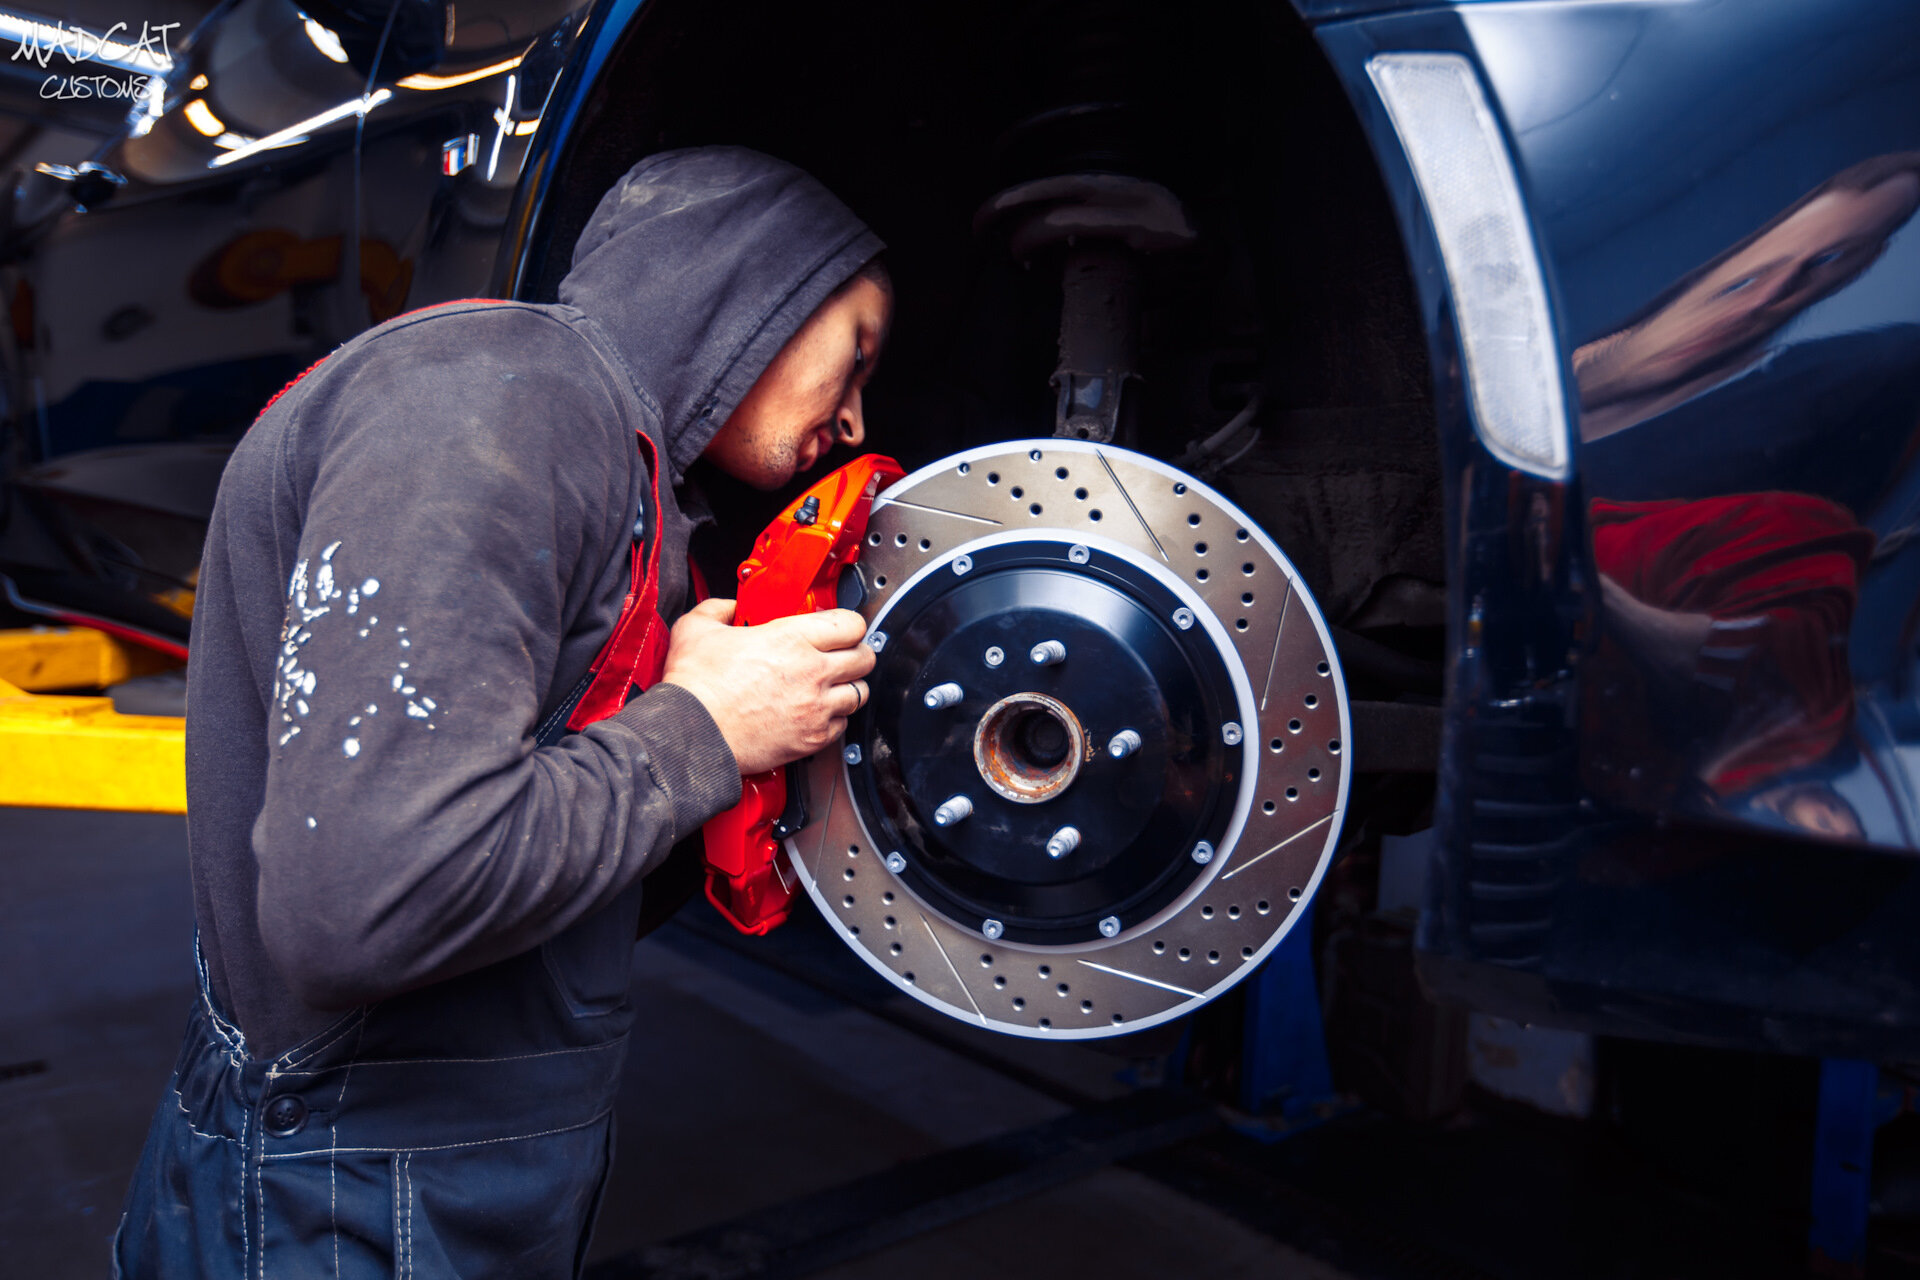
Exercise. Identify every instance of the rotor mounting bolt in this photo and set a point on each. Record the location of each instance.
(877, 641)
(955, 809)
(1203, 853)
(1123, 744)
(1063, 842)
(1047, 653)
(1079, 554)
(963, 564)
(1230, 734)
(991, 930)
(896, 863)
(943, 695)
(995, 655)
(1183, 619)
(1110, 927)
(852, 754)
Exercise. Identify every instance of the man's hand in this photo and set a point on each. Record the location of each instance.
(779, 691)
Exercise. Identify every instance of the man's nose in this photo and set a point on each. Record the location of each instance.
(853, 425)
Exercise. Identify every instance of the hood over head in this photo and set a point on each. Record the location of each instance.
(700, 264)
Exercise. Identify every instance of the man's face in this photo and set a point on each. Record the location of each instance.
(809, 397)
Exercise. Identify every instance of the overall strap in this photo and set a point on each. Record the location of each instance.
(634, 654)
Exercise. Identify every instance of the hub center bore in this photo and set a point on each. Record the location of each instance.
(1029, 747)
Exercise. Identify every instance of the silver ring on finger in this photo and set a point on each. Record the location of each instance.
(859, 688)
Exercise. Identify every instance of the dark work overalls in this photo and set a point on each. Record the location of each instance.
(464, 1129)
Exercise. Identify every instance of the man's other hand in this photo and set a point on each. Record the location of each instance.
(779, 691)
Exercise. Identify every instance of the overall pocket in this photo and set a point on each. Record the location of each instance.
(590, 965)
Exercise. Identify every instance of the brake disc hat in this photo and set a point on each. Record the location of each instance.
(1104, 764)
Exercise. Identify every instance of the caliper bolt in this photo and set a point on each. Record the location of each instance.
(995, 655)
(1123, 744)
(1203, 853)
(896, 863)
(1110, 927)
(1183, 619)
(852, 754)
(956, 808)
(1230, 734)
(942, 695)
(1047, 653)
(1063, 842)
(991, 930)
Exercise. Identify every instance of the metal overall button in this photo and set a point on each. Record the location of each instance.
(286, 1115)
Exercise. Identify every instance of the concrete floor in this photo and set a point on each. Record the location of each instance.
(745, 1088)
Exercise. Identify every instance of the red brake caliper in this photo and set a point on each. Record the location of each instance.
(795, 568)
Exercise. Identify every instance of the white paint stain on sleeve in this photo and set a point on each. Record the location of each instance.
(351, 746)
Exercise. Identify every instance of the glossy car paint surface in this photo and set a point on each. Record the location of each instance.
(1681, 707)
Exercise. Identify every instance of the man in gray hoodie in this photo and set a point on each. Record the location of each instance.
(416, 891)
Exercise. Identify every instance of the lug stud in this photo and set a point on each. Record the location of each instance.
(955, 809)
(942, 695)
(1047, 653)
(1063, 842)
(1123, 744)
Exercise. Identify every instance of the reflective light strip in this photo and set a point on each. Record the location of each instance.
(297, 132)
(1466, 179)
(449, 82)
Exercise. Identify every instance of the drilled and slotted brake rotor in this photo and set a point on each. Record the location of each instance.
(1104, 764)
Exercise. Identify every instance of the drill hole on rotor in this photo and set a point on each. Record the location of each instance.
(1240, 535)
(1233, 912)
(1313, 775)
(1064, 989)
(1276, 746)
(1016, 492)
(1322, 668)
(1240, 624)
(1034, 510)
(1046, 1022)
(1186, 953)
(847, 901)
(873, 539)
(908, 975)
(895, 948)
(1029, 747)
(899, 539)
(1246, 597)
(1086, 1006)
(1293, 726)
(1180, 487)
(1263, 906)
(1018, 1003)
(986, 962)
(1159, 948)
(965, 467)
(880, 580)
(849, 873)
(1247, 568)
(1034, 455)
(1312, 701)
(1246, 953)
(1199, 575)
(1268, 807)
(1060, 473)
(1293, 894)
(993, 477)
(1046, 971)
(926, 544)
(1293, 793)
(1206, 913)
(890, 921)
(1117, 1019)
(1000, 983)
(1213, 957)
(1199, 548)
(887, 898)
(1193, 520)
(1080, 494)
(1334, 747)
(1094, 514)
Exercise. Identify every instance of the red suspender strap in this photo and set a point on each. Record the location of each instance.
(637, 650)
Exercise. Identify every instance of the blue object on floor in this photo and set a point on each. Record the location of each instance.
(1849, 1113)
(1283, 1063)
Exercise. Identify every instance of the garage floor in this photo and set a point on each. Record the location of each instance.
(745, 1090)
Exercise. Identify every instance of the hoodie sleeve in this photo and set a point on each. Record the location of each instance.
(467, 488)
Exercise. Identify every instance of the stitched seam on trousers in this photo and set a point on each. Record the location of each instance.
(406, 1170)
(246, 1245)
(287, 1059)
(236, 1041)
(333, 1148)
(419, 1062)
(260, 1195)
(446, 1146)
(179, 1100)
